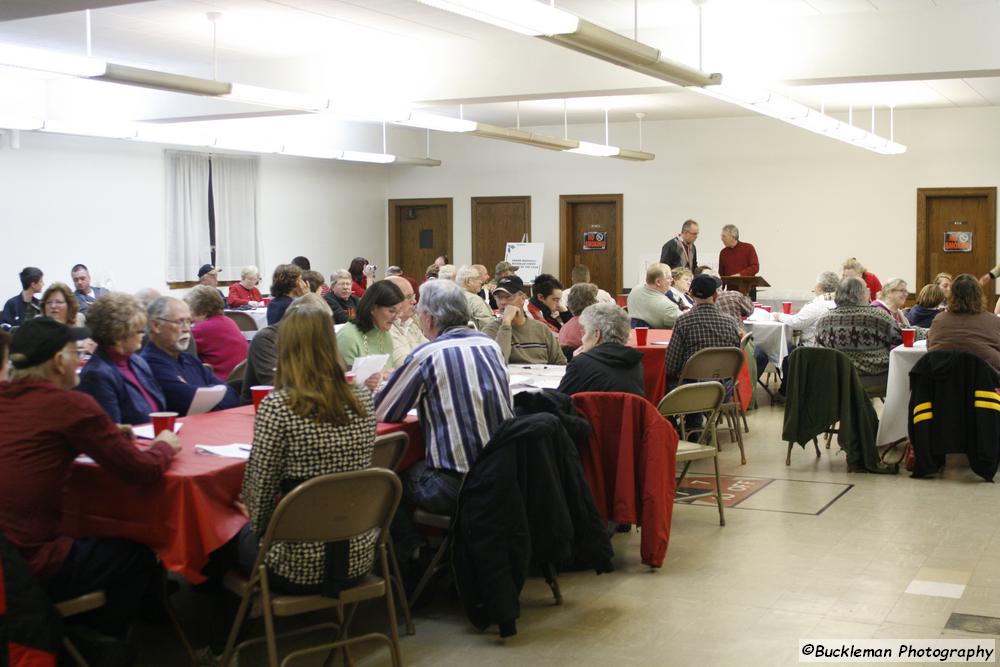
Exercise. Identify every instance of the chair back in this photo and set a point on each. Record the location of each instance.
(745, 340)
(336, 507)
(243, 320)
(636, 322)
(694, 398)
(389, 450)
(713, 363)
(235, 379)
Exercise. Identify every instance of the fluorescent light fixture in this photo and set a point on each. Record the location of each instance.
(20, 123)
(596, 150)
(636, 156)
(518, 136)
(173, 83)
(527, 17)
(110, 130)
(280, 99)
(429, 121)
(361, 156)
(247, 144)
(311, 151)
(50, 61)
(418, 161)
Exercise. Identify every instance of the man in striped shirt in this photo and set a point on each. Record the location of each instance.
(459, 384)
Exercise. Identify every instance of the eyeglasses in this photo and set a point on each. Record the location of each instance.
(181, 323)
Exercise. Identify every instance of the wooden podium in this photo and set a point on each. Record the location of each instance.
(744, 284)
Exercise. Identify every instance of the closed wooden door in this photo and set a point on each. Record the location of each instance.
(956, 232)
(497, 221)
(419, 231)
(590, 233)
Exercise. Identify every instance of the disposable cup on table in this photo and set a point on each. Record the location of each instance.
(909, 335)
(267, 301)
(767, 308)
(258, 392)
(162, 421)
(641, 335)
(786, 307)
(351, 377)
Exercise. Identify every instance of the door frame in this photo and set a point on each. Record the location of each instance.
(923, 194)
(475, 201)
(565, 243)
(393, 223)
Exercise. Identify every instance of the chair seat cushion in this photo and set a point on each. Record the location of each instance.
(692, 450)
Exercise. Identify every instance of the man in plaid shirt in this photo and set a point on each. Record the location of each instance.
(700, 327)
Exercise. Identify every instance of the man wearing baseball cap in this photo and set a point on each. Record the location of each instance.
(702, 326)
(522, 339)
(209, 275)
(43, 428)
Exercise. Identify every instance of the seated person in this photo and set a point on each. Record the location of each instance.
(178, 373)
(59, 304)
(544, 306)
(522, 340)
(649, 302)
(405, 331)
(447, 272)
(343, 304)
(944, 281)
(967, 325)
(458, 412)
(314, 423)
(315, 281)
(681, 278)
(603, 362)
(245, 292)
(119, 379)
(208, 276)
(579, 275)
(736, 305)
(368, 334)
(864, 334)
(471, 281)
(581, 296)
(220, 342)
(43, 428)
(804, 321)
(286, 284)
(892, 298)
(362, 276)
(85, 293)
(703, 326)
(928, 306)
(22, 307)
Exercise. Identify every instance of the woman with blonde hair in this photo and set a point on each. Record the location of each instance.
(891, 299)
(852, 268)
(944, 281)
(314, 423)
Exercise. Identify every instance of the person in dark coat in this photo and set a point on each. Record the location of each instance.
(928, 306)
(603, 362)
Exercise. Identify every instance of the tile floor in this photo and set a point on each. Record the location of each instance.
(888, 557)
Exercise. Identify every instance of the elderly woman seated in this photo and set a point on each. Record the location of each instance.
(582, 296)
(967, 325)
(220, 342)
(928, 305)
(286, 285)
(471, 281)
(603, 362)
(677, 293)
(863, 333)
(891, 299)
(118, 378)
(245, 292)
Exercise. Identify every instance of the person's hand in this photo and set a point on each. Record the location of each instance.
(127, 431)
(985, 280)
(373, 381)
(169, 438)
(509, 313)
(253, 304)
(88, 345)
(242, 508)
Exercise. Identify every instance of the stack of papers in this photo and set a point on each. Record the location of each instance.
(365, 367)
(234, 451)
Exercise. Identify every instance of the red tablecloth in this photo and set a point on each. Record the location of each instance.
(189, 513)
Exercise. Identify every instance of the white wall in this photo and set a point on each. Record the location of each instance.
(66, 199)
(806, 202)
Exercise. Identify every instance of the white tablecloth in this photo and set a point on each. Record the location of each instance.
(771, 338)
(534, 377)
(895, 413)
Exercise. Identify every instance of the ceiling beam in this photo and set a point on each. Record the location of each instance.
(11, 10)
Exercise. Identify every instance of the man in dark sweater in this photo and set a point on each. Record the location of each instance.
(343, 304)
(24, 306)
(680, 250)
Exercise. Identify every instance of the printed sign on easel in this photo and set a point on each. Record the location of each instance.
(527, 257)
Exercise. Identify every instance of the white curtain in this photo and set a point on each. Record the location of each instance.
(188, 241)
(235, 193)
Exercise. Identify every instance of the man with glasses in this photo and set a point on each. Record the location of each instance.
(405, 331)
(179, 374)
(680, 250)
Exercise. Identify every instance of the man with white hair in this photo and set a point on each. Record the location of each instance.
(178, 373)
(736, 258)
(405, 331)
(470, 279)
(648, 303)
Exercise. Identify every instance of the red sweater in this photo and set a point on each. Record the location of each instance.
(874, 286)
(221, 344)
(42, 429)
(740, 260)
(241, 296)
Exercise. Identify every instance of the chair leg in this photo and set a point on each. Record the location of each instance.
(431, 569)
(816, 445)
(390, 607)
(74, 653)
(739, 409)
(549, 570)
(269, 634)
(397, 579)
(718, 492)
(234, 632)
(788, 456)
(739, 438)
(687, 464)
(174, 622)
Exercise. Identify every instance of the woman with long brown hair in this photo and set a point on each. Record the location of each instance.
(967, 325)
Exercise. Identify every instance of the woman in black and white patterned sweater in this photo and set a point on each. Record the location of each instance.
(314, 423)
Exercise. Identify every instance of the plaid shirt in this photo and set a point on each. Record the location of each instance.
(702, 326)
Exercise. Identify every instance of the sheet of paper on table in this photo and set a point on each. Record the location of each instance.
(535, 370)
(411, 413)
(364, 367)
(546, 382)
(760, 315)
(206, 398)
(146, 430)
(234, 451)
(338, 327)
(661, 342)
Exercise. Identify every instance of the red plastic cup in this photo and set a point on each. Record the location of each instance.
(767, 308)
(909, 335)
(162, 421)
(351, 377)
(786, 307)
(641, 335)
(258, 392)
(267, 301)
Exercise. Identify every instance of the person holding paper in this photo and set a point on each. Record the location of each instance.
(179, 374)
(368, 334)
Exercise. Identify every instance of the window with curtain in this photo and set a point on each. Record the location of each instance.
(212, 203)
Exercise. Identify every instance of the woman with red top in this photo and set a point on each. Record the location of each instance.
(245, 292)
(362, 275)
(852, 268)
(220, 342)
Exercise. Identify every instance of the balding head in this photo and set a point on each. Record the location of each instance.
(406, 307)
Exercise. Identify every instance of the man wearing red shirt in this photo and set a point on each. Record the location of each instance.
(737, 258)
(43, 428)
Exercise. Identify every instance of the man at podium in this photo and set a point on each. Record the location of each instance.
(736, 258)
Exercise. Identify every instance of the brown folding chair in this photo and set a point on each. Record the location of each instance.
(243, 320)
(720, 364)
(388, 452)
(235, 379)
(328, 508)
(74, 607)
(693, 398)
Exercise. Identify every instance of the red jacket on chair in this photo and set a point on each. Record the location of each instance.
(631, 466)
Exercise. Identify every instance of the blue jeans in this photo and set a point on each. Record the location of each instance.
(426, 488)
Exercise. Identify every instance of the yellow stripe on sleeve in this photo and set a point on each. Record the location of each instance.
(988, 404)
(991, 395)
(927, 415)
(922, 407)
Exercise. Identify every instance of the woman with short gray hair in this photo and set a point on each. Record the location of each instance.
(582, 296)
(471, 281)
(245, 292)
(603, 362)
(892, 298)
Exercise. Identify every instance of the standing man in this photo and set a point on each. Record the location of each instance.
(680, 250)
(736, 258)
(24, 306)
(85, 294)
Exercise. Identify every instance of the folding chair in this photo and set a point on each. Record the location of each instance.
(74, 607)
(243, 320)
(388, 452)
(328, 508)
(720, 364)
(235, 379)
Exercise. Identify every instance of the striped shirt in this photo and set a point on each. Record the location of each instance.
(461, 389)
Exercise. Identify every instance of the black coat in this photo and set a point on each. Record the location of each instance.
(954, 408)
(27, 619)
(525, 502)
(607, 367)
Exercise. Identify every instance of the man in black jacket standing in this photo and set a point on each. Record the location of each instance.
(680, 250)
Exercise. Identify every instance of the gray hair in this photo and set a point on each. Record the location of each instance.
(445, 303)
(465, 274)
(732, 230)
(851, 292)
(828, 281)
(146, 296)
(608, 319)
(340, 274)
(890, 285)
(447, 272)
(393, 271)
(160, 308)
(687, 225)
(580, 296)
(249, 271)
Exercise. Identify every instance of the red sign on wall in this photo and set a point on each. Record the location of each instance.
(957, 242)
(595, 240)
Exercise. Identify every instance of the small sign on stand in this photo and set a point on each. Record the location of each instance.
(527, 257)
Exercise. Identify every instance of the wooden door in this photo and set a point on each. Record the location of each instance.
(497, 221)
(590, 233)
(956, 232)
(419, 231)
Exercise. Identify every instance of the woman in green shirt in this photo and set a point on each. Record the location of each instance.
(369, 334)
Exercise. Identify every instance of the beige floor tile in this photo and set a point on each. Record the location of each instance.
(943, 576)
(830, 628)
(922, 610)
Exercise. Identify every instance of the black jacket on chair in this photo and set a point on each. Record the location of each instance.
(954, 408)
(524, 502)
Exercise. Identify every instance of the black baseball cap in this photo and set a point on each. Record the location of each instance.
(510, 285)
(39, 338)
(206, 268)
(704, 286)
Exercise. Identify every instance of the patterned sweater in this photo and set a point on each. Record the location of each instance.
(863, 333)
(289, 449)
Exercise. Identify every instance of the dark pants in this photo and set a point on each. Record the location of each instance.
(429, 489)
(127, 572)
